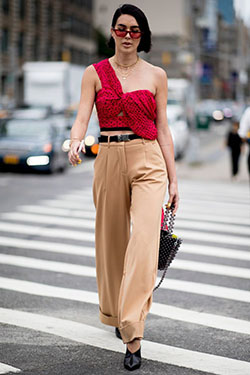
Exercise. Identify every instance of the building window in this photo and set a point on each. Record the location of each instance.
(5, 6)
(20, 44)
(36, 47)
(37, 12)
(22, 9)
(50, 15)
(5, 40)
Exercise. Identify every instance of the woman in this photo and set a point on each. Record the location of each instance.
(134, 162)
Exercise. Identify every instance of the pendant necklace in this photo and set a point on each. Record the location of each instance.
(125, 70)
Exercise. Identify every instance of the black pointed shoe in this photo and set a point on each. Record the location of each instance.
(118, 334)
(132, 361)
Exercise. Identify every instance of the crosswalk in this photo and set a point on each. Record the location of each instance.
(47, 254)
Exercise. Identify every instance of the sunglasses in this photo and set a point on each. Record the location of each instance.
(134, 34)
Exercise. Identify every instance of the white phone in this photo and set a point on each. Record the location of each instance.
(81, 144)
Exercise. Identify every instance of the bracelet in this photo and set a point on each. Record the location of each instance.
(72, 140)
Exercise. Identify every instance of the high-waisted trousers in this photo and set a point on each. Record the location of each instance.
(129, 188)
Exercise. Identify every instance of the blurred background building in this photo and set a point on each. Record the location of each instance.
(201, 41)
(42, 30)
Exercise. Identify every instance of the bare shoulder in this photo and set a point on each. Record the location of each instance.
(90, 76)
(159, 75)
(156, 70)
(90, 71)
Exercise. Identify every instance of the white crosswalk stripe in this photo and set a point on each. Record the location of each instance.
(75, 269)
(58, 211)
(55, 220)
(5, 369)
(47, 232)
(230, 219)
(103, 339)
(172, 284)
(81, 223)
(163, 310)
(215, 224)
(187, 248)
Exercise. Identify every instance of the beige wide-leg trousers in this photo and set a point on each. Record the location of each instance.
(129, 187)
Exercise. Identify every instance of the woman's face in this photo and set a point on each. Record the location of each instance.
(126, 44)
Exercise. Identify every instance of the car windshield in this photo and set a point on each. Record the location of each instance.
(24, 129)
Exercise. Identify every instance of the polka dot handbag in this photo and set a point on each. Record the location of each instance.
(169, 243)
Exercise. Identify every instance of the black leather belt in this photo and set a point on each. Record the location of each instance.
(118, 138)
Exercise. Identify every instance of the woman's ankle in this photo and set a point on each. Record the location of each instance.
(134, 345)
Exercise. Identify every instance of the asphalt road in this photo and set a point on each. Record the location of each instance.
(49, 325)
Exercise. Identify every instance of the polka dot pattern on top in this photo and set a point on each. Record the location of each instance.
(138, 107)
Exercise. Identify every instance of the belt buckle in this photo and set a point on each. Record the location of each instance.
(123, 137)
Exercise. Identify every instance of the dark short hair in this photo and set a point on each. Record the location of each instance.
(132, 10)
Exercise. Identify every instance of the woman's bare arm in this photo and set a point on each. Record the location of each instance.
(164, 136)
(85, 108)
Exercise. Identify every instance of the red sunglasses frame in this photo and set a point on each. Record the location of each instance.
(131, 33)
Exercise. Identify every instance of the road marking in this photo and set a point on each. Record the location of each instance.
(81, 223)
(55, 247)
(91, 215)
(47, 232)
(58, 211)
(5, 369)
(91, 225)
(55, 220)
(216, 204)
(85, 236)
(159, 309)
(205, 217)
(213, 227)
(213, 251)
(104, 339)
(47, 265)
(194, 235)
(206, 290)
(215, 269)
(171, 284)
(210, 196)
(187, 248)
(69, 204)
(215, 211)
(84, 195)
(75, 269)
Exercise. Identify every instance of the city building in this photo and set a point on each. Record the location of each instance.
(42, 30)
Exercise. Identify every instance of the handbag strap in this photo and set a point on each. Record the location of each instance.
(162, 278)
(169, 219)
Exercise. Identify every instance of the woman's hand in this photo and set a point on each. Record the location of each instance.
(73, 154)
(173, 196)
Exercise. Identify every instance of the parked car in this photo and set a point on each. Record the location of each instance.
(32, 144)
(179, 128)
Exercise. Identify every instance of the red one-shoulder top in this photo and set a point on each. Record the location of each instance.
(138, 107)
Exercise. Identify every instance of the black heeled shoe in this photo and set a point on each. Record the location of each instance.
(118, 334)
(132, 361)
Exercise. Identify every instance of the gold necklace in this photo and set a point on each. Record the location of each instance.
(127, 68)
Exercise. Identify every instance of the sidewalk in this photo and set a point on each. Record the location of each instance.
(208, 159)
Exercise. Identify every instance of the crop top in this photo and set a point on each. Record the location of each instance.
(138, 107)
